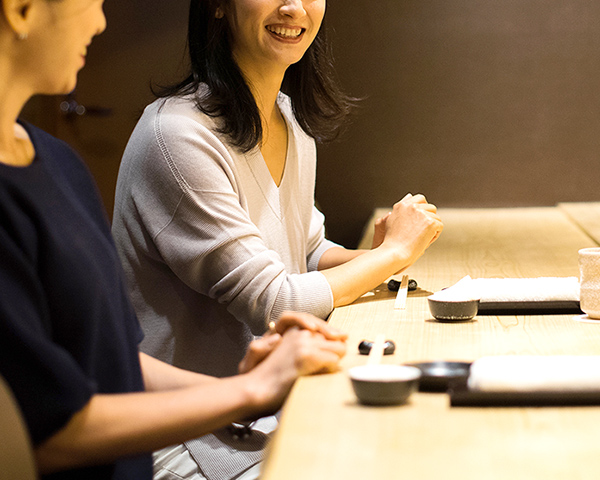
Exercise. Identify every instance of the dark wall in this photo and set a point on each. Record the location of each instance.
(472, 102)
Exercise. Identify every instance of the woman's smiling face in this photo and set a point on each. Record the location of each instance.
(273, 33)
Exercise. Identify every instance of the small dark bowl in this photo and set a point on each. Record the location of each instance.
(453, 310)
(384, 384)
(439, 376)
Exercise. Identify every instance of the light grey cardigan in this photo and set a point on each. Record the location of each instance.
(212, 248)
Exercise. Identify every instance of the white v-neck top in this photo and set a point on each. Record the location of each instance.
(212, 248)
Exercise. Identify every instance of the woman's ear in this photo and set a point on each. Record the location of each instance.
(17, 15)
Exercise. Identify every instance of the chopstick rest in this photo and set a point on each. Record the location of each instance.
(394, 285)
(364, 347)
(376, 350)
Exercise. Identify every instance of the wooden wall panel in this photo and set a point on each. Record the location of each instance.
(472, 102)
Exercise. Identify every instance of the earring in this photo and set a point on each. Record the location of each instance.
(22, 36)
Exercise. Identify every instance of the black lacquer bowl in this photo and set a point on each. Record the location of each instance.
(453, 310)
(440, 376)
(384, 384)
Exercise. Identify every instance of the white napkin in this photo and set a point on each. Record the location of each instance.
(512, 289)
(535, 373)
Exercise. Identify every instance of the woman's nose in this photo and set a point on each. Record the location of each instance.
(293, 8)
(101, 21)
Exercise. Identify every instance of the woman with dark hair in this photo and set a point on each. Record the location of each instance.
(214, 216)
(319, 106)
(93, 404)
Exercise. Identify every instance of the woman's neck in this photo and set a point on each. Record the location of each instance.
(264, 83)
(265, 92)
(16, 149)
(15, 145)
(265, 86)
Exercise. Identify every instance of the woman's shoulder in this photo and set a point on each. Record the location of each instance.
(183, 106)
(174, 137)
(177, 116)
(56, 155)
(44, 142)
(56, 168)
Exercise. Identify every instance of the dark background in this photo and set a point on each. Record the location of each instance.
(472, 102)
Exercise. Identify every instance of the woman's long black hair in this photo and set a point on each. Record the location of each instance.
(320, 107)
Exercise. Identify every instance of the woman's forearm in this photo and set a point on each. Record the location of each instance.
(120, 425)
(159, 375)
(336, 256)
(362, 271)
(401, 237)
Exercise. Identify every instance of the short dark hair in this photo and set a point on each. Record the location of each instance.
(319, 105)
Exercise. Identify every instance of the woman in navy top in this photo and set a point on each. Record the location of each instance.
(94, 405)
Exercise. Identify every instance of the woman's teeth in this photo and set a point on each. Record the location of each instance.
(285, 32)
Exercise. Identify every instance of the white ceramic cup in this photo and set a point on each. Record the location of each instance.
(589, 281)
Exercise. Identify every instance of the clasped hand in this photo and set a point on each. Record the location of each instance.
(312, 345)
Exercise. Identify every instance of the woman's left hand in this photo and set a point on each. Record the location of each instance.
(259, 349)
(306, 321)
(379, 230)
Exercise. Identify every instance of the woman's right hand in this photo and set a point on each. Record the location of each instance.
(298, 352)
(412, 226)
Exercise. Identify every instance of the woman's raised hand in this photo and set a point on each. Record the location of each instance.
(379, 232)
(411, 227)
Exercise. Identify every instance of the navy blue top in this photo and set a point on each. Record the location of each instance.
(67, 328)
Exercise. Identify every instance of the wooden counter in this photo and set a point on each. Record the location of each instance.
(586, 215)
(326, 434)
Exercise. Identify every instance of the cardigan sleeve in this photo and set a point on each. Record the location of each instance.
(185, 193)
(318, 244)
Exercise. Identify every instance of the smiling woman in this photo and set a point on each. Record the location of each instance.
(215, 212)
(269, 36)
(320, 106)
